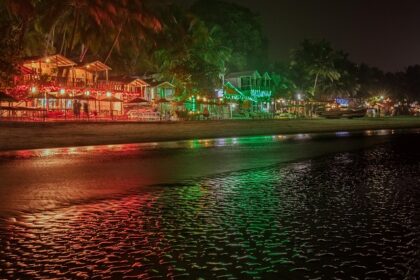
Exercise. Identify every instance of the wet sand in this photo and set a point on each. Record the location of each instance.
(20, 135)
(349, 215)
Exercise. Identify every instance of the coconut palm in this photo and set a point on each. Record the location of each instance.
(317, 60)
(191, 55)
(95, 25)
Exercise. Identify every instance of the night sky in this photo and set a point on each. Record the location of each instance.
(385, 34)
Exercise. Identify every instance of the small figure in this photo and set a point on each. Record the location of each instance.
(79, 107)
(75, 108)
(86, 109)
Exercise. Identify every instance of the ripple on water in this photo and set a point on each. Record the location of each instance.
(351, 214)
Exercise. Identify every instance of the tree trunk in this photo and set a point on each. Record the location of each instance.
(62, 48)
(315, 84)
(114, 43)
(73, 33)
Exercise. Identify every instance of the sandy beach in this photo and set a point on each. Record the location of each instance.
(20, 135)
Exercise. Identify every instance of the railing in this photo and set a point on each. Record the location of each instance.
(76, 84)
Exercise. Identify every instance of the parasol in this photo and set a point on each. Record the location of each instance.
(111, 99)
(138, 100)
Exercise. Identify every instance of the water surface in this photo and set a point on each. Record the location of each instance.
(315, 207)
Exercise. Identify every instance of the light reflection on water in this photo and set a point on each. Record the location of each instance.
(347, 214)
(188, 144)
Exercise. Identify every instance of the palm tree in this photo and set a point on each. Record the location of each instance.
(191, 55)
(317, 60)
(137, 21)
(75, 22)
(15, 17)
(97, 25)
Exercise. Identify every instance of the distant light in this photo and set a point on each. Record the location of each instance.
(382, 97)
(48, 60)
(299, 96)
(33, 89)
(108, 94)
(87, 93)
(62, 91)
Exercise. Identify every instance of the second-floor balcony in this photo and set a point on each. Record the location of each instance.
(77, 84)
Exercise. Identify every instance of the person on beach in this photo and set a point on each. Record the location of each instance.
(79, 107)
(86, 109)
(75, 108)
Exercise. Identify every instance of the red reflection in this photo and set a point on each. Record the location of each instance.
(124, 149)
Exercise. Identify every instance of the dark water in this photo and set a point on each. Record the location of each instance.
(347, 215)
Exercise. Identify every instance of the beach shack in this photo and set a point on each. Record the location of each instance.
(252, 90)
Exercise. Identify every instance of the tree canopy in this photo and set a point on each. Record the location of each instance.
(190, 47)
(239, 29)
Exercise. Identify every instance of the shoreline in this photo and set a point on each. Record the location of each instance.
(39, 135)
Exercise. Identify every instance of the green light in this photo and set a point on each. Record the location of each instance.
(194, 104)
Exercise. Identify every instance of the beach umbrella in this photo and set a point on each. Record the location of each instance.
(138, 100)
(86, 97)
(111, 99)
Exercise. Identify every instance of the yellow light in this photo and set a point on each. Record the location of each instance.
(48, 60)
(87, 93)
(108, 94)
(33, 89)
(204, 99)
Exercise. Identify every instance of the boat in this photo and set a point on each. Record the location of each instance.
(331, 114)
(354, 113)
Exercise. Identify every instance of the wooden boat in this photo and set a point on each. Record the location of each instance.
(354, 113)
(332, 114)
